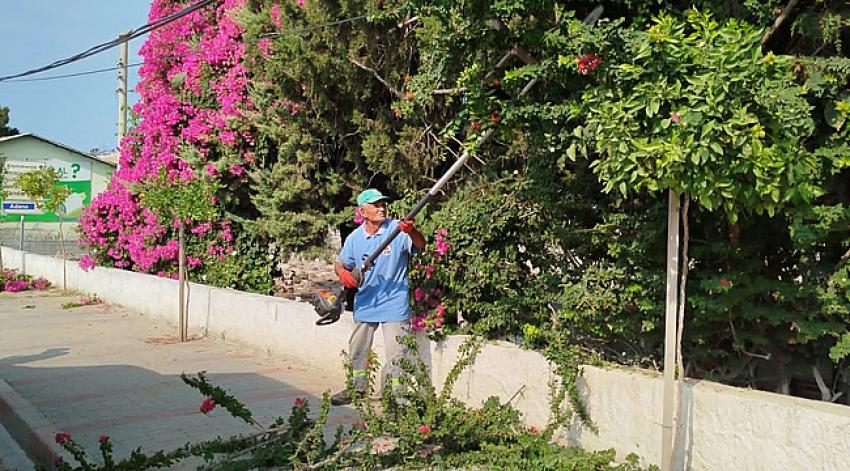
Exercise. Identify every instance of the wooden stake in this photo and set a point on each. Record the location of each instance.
(671, 308)
(181, 279)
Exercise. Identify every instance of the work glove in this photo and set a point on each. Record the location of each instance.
(347, 279)
(405, 226)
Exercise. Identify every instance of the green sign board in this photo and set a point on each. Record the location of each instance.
(74, 175)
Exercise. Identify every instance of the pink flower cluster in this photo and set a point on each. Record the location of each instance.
(40, 284)
(14, 282)
(87, 263)
(429, 311)
(207, 405)
(185, 61)
(442, 242)
(358, 216)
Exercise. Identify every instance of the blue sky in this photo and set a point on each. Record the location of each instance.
(81, 112)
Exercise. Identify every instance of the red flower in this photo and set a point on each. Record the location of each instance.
(299, 402)
(476, 125)
(588, 63)
(57, 460)
(424, 429)
(675, 117)
(497, 83)
(725, 283)
(62, 437)
(103, 439)
(494, 116)
(533, 430)
(208, 405)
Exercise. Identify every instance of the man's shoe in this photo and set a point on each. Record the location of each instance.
(341, 398)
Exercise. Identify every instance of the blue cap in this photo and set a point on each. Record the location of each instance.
(370, 195)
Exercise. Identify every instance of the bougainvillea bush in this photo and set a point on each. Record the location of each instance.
(11, 281)
(556, 226)
(193, 97)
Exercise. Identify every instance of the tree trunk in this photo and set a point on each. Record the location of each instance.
(64, 257)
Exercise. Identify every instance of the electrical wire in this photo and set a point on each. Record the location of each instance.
(78, 74)
(147, 28)
(140, 32)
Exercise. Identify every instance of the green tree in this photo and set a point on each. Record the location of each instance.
(42, 186)
(5, 130)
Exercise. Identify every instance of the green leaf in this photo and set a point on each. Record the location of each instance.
(841, 349)
(832, 116)
(716, 147)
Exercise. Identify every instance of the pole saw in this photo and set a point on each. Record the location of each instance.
(329, 304)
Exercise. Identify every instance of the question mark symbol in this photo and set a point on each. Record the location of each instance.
(75, 168)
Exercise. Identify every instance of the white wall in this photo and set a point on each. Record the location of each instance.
(724, 428)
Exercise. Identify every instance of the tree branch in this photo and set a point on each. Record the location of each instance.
(842, 260)
(825, 392)
(407, 22)
(779, 20)
(392, 89)
(448, 91)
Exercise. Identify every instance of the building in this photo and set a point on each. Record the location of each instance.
(84, 175)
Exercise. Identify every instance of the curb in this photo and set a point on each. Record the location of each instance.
(29, 428)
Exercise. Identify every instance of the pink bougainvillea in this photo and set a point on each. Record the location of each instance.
(207, 405)
(198, 55)
(429, 313)
(87, 262)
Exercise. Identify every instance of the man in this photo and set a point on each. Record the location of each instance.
(382, 299)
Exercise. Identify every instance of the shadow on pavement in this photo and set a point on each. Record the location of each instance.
(138, 407)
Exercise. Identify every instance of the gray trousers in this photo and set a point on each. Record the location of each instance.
(361, 342)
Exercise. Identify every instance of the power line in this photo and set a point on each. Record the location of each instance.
(78, 74)
(147, 28)
(141, 31)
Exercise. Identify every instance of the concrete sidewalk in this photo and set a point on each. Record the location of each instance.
(104, 370)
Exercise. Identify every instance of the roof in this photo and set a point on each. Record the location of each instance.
(57, 144)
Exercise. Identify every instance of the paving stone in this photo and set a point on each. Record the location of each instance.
(105, 370)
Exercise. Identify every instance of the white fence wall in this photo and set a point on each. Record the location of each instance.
(724, 428)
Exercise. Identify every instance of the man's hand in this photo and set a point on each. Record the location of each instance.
(405, 226)
(347, 279)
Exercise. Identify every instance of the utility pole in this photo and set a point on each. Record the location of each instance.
(122, 87)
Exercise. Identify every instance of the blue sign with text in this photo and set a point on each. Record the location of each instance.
(15, 206)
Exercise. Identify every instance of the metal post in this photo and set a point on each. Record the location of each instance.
(122, 88)
(181, 278)
(21, 248)
(668, 427)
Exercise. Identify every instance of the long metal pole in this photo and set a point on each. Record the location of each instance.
(122, 87)
(671, 308)
(21, 248)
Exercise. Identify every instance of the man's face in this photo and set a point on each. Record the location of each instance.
(375, 212)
